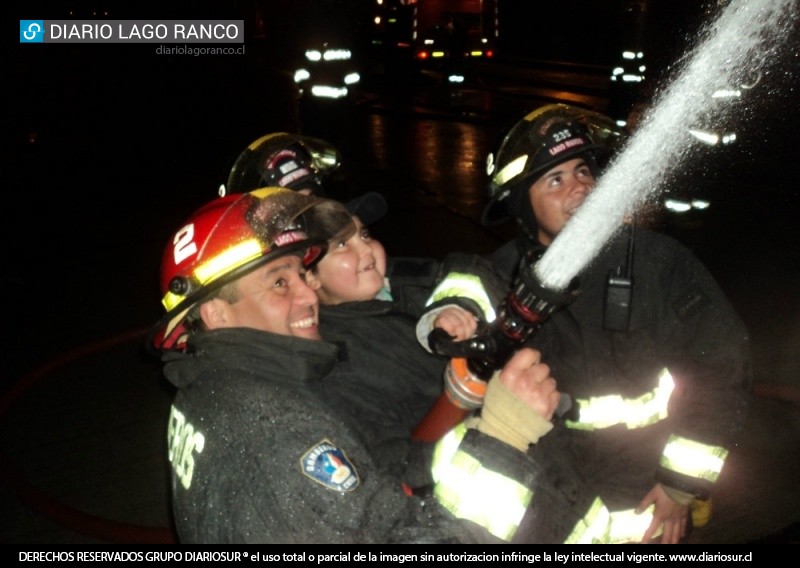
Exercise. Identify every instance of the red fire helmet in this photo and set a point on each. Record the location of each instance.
(235, 234)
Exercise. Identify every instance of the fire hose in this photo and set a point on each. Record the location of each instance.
(474, 361)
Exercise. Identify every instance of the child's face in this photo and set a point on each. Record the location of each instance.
(352, 270)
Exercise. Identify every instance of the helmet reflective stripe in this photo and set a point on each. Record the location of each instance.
(600, 526)
(219, 265)
(470, 491)
(537, 112)
(171, 300)
(230, 259)
(257, 144)
(694, 459)
(511, 170)
(606, 411)
(459, 285)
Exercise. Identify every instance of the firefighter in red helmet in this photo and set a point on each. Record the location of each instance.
(259, 448)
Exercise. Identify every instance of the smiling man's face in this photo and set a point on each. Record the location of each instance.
(274, 298)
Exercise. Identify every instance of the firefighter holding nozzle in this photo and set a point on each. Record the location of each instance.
(654, 357)
(260, 448)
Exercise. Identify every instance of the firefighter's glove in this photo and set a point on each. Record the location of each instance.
(509, 419)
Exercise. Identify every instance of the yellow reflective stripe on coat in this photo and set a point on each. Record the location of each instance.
(471, 491)
(606, 411)
(600, 526)
(445, 449)
(694, 459)
(460, 285)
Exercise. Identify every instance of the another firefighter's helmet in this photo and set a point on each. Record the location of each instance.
(281, 159)
(234, 235)
(546, 137)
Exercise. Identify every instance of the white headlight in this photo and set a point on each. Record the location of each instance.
(677, 205)
(336, 55)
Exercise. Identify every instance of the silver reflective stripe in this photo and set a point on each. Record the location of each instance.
(694, 459)
(471, 491)
(460, 285)
(511, 170)
(600, 526)
(606, 411)
(445, 449)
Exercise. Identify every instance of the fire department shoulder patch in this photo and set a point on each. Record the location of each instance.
(328, 465)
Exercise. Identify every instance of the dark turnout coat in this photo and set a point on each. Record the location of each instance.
(264, 450)
(679, 320)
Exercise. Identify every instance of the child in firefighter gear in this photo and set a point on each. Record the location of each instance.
(652, 353)
(383, 378)
(358, 312)
(260, 453)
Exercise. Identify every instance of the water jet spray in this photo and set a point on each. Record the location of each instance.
(736, 44)
(740, 42)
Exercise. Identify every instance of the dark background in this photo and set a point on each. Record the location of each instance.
(108, 148)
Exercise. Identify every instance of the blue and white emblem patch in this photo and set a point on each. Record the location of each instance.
(328, 465)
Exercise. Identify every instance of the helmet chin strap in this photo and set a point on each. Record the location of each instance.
(591, 161)
(519, 205)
